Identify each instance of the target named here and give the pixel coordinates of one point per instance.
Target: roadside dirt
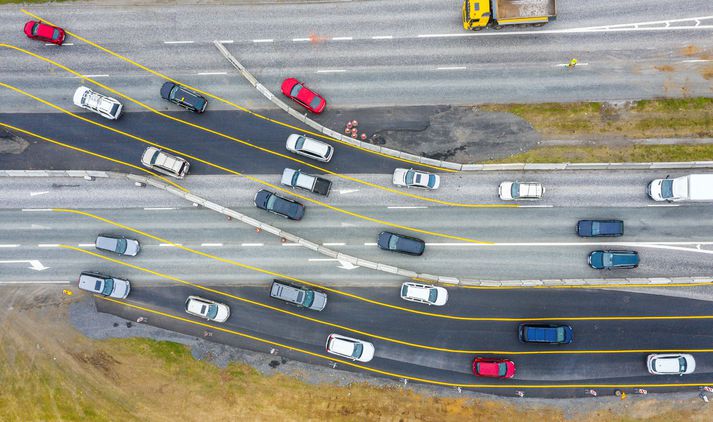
(51, 372)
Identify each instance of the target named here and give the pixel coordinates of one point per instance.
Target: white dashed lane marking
(178, 42)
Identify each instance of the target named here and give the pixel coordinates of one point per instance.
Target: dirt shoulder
(50, 371)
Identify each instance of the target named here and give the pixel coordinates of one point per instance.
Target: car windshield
(316, 101)
(667, 188)
(431, 180)
(409, 177)
(607, 259)
(55, 34)
(114, 108)
(309, 299)
(560, 334)
(296, 90)
(682, 363)
(432, 295)
(393, 241)
(121, 245)
(300, 142)
(502, 369)
(35, 27)
(358, 348)
(153, 158)
(108, 286)
(515, 190)
(271, 202)
(212, 311)
(595, 228)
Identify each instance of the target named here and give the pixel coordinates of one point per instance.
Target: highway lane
(375, 72)
(559, 369)
(670, 244)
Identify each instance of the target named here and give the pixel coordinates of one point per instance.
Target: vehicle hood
(132, 247)
(399, 176)
(261, 198)
(223, 313)
(505, 190)
(121, 288)
(166, 89)
(319, 302)
(288, 84)
(367, 353)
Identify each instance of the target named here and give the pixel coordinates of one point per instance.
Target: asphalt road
(536, 369)
(331, 46)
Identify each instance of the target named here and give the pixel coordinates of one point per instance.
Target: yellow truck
(497, 14)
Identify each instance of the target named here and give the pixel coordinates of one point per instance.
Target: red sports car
(303, 95)
(43, 32)
(493, 368)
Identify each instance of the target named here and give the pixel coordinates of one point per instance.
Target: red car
(43, 32)
(303, 95)
(493, 368)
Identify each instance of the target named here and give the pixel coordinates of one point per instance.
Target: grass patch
(663, 118)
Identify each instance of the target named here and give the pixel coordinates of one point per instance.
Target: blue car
(545, 333)
(600, 260)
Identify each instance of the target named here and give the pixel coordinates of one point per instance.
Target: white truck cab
(694, 187)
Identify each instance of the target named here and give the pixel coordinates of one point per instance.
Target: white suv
(509, 191)
(171, 165)
(350, 348)
(424, 293)
(101, 104)
(312, 148)
(208, 309)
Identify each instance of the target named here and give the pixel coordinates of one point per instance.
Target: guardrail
(53, 173)
(442, 163)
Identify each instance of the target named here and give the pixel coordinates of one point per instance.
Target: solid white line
(170, 245)
(251, 244)
(212, 73)
(211, 244)
(68, 43)
(334, 244)
(178, 42)
(535, 206)
(341, 38)
(382, 37)
(291, 244)
(9, 246)
(331, 71)
(36, 209)
(158, 208)
(300, 39)
(452, 68)
(264, 40)
(369, 244)
(642, 244)
(467, 34)
(406, 207)
(663, 205)
(225, 41)
(93, 76)
(322, 259)
(85, 245)
(37, 282)
(696, 61)
(48, 245)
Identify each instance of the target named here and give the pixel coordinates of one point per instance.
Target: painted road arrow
(34, 264)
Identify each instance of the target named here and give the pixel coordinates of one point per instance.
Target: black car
(400, 243)
(283, 207)
(607, 260)
(545, 333)
(600, 228)
(183, 97)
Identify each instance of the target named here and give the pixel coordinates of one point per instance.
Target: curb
(449, 165)
(455, 281)
(54, 173)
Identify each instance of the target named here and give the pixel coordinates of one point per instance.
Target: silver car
(410, 178)
(104, 285)
(207, 309)
(510, 191)
(424, 293)
(117, 244)
(350, 348)
(312, 148)
(162, 162)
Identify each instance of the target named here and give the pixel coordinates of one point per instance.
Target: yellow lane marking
(366, 333)
(390, 374)
(84, 151)
(375, 302)
(254, 179)
(241, 108)
(232, 138)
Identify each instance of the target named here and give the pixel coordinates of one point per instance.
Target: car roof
(341, 345)
(667, 364)
(418, 292)
(195, 304)
(316, 146)
(489, 368)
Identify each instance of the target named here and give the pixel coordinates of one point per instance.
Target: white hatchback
(424, 293)
(208, 309)
(312, 148)
(350, 348)
(101, 104)
(671, 364)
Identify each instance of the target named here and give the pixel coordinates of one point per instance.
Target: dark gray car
(600, 228)
(104, 285)
(183, 97)
(288, 208)
(401, 243)
(297, 295)
(117, 244)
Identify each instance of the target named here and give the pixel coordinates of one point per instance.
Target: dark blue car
(545, 333)
(600, 228)
(276, 204)
(600, 260)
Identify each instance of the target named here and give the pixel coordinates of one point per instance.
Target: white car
(424, 293)
(208, 309)
(312, 148)
(168, 164)
(104, 285)
(671, 364)
(350, 348)
(101, 104)
(410, 178)
(509, 191)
